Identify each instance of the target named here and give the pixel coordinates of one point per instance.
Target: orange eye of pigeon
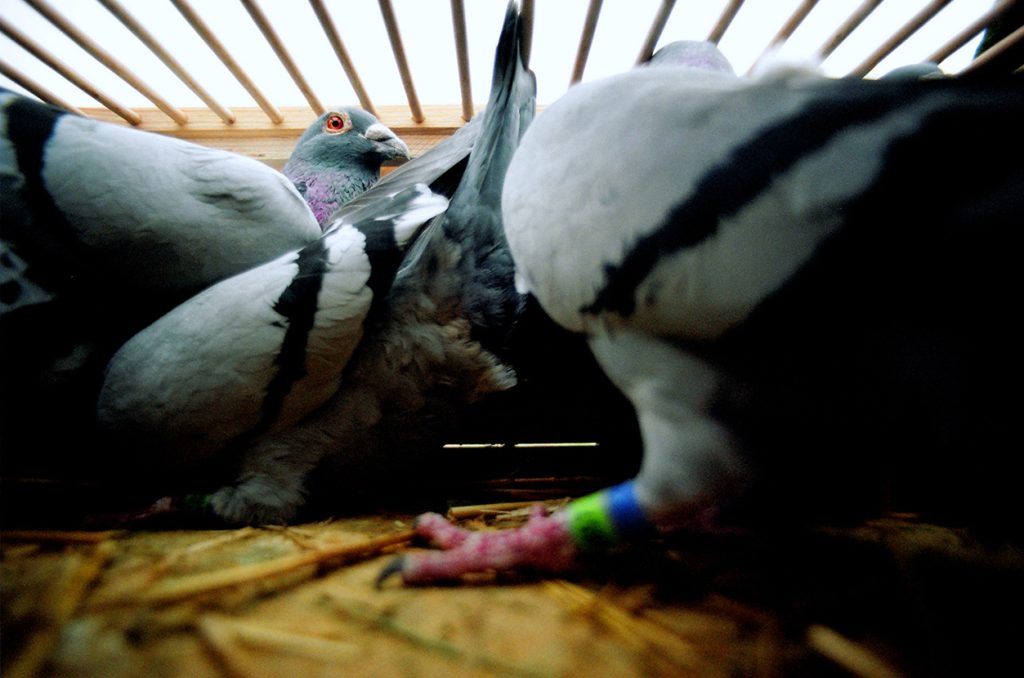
(335, 123)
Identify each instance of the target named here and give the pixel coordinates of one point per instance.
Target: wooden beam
(251, 135)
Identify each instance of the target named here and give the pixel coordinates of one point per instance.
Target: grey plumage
(797, 283)
(434, 347)
(104, 228)
(338, 157)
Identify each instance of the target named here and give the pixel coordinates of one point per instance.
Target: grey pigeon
(103, 229)
(691, 54)
(339, 156)
(804, 286)
(433, 347)
(252, 355)
(106, 228)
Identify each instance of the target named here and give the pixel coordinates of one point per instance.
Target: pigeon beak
(387, 141)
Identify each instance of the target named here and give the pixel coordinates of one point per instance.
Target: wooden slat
(972, 29)
(67, 73)
(654, 32)
(899, 37)
(847, 27)
(272, 144)
(146, 38)
(34, 87)
(261, 21)
(462, 57)
(1006, 55)
(586, 40)
(106, 58)
(200, 27)
(387, 12)
(324, 17)
(724, 21)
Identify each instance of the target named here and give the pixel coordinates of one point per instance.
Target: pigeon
(339, 156)
(702, 55)
(804, 286)
(258, 351)
(433, 346)
(255, 353)
(107, 228)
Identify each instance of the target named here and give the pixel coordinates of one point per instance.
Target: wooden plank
(253, 136)
(251, 121)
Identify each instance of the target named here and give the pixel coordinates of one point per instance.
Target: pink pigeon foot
(543, 543)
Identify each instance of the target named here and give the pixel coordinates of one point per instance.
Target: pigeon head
(339, 156)
(693, 54)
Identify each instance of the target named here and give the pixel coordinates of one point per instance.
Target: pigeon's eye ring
(337, 123)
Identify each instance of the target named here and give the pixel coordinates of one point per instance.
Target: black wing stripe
(736, 182)
(298, 304)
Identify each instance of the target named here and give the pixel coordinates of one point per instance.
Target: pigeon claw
(544, 543)
(394, 566)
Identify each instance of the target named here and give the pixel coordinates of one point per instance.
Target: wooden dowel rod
(35, 88)
(793, 22)
(260, 19)
(654, 32)
(586, 40)
(334, 38)
(146, 38)
(462, 57)
(78, 81)
(788, 28)
(387, 12)
(847, 27)
(999, 55)
(977, 26)
(526, 12)
(200, 27)
(724, 21)
(899, 37)
(107, 59)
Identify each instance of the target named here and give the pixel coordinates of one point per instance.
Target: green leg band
(590, 524)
